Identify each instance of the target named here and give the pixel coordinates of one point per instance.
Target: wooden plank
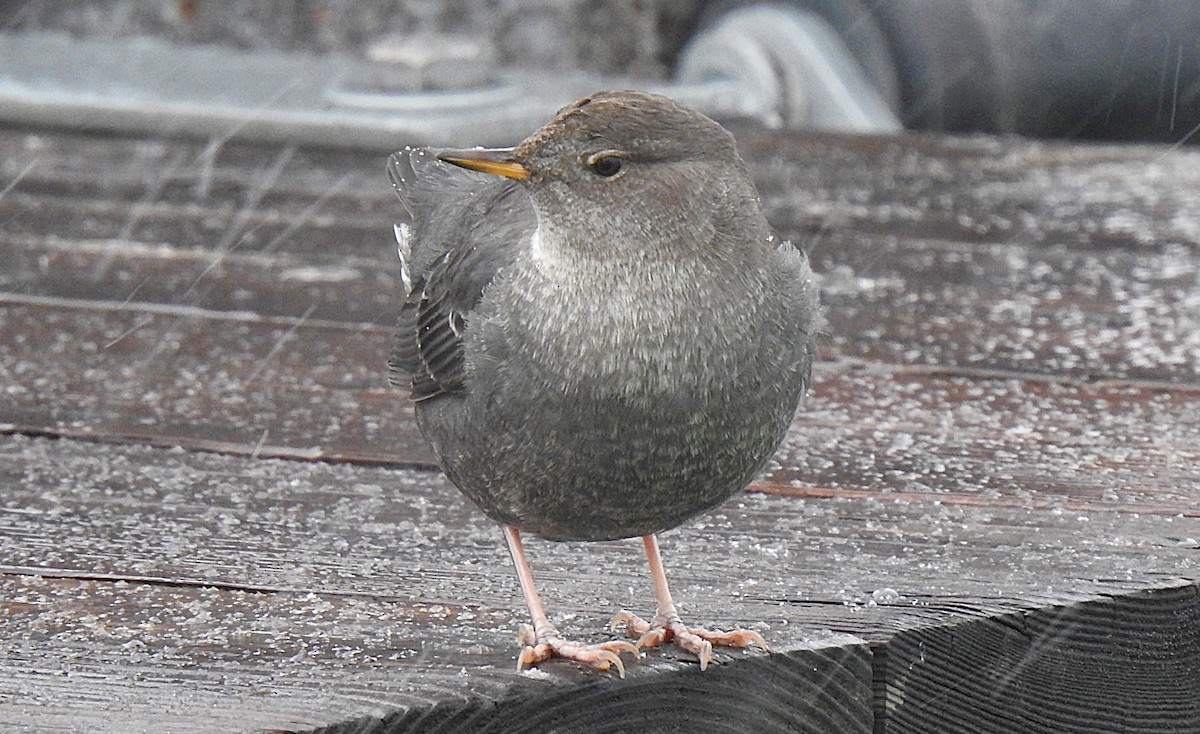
(219, 196)
(326, 640)
(315, 390)
(295, 594)
(921, 241)
(1126, 315)
(1027, 194)
(1056, 669)
(178, 377)
(999, 456)
(120, 657)
(999, 441)
(957, 189)
(330, 288)
(1114, 314)
(134, 512)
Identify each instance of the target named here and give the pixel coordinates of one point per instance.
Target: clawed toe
(600, 656)
(696, 640)
(735, 638)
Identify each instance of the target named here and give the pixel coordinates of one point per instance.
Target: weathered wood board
(216, 516)
(289, 594)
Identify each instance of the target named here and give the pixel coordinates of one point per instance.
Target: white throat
(541, 251)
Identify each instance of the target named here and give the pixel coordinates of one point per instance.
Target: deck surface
(215, 516)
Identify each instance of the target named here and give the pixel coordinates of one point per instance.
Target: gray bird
(603, 339)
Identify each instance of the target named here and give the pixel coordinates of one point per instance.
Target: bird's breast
(639, 333)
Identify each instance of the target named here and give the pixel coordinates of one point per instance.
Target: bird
(602, 337)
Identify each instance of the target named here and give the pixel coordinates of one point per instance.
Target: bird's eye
(605, 165)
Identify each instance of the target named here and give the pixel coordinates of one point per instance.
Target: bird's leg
(667, 625)
(543, 641)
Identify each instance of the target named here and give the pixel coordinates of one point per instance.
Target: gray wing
(464, 228)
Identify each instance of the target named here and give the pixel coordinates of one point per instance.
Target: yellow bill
(496, 161)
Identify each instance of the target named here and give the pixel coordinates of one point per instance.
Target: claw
(607, 657)
(619, 646)
(745, 638)
(652, 638)
(531, 655)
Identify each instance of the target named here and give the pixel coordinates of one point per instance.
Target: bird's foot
(696, 640)
(547, 643)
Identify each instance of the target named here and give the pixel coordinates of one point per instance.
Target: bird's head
(629, 175)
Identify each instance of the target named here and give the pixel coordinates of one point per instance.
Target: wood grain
(1053, 669)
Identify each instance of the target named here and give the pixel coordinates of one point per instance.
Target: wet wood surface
(216, 516)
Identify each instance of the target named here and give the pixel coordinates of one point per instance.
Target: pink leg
(667, 624)
(543, 641)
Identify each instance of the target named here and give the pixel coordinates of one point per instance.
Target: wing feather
(465, 228)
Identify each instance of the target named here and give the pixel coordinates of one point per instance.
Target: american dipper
(603, 340)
